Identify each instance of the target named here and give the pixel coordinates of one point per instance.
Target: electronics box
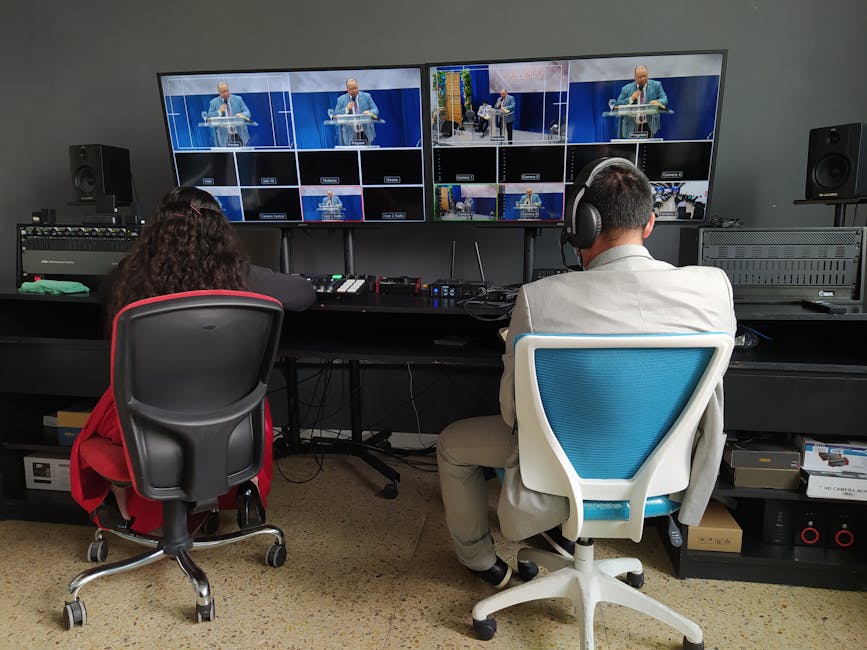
(762, 454)
(80, 253)
(47, 472)
(759, 477)
(718, 531)
(835, 485)
(458, 289)
(788, 264)
(69, 425)
(847, 456)
(762, 463)
(403, 285)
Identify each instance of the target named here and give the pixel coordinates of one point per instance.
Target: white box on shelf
(848, 456)
(834, 485)
(47, 472)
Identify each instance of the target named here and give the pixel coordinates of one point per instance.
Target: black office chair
(189, 375)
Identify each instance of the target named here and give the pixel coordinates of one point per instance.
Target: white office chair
(608, 422)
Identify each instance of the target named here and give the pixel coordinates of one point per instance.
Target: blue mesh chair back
(609, 408)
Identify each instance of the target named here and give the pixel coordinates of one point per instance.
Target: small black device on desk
(824, 306)
(399, 286)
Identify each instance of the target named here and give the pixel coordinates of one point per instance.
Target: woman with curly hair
(189, 246)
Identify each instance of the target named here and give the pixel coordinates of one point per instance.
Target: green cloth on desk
(54, 287)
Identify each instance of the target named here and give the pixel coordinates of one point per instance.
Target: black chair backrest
(189, 374)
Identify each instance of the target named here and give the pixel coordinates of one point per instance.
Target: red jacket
(89, 487)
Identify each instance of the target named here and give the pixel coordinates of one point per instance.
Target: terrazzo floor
(366, 572)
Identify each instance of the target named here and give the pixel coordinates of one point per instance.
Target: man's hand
(635, 96)
(655, 102)
(350, 107)
(222, 109)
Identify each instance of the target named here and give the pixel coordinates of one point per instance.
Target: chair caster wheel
(97, 551)
(276, 555)
(74, 614)
(390, 491)
(486, 629)
(635, 580)
(205, 612)
(212, 523)
(527, 570)
(689, 645)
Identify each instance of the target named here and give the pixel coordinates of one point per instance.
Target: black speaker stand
(839, 207)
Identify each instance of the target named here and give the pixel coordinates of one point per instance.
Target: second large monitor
(301, 146)
(509, 137)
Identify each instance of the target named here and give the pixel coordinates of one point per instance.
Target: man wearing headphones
(623, 290)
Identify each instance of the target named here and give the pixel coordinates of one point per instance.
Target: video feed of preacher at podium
(528, 127)
(270, 145)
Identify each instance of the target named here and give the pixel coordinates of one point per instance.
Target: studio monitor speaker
(837, 162)
(100, 170)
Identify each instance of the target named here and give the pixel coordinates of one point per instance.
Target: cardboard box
(835, 485)
(834, 457)
(761, 453)
(759, 477)
(47, 472)
(69, 425)
(717, 531)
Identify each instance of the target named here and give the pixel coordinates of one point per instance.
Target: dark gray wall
(85, 72)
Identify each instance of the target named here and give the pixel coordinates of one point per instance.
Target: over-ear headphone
(582, 222)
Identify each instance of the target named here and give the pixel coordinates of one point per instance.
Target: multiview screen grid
(305, 147)
(509, 138)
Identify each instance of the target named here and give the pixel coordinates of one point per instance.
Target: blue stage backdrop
(550, 210)
(268, 110)
(693, 100)
(351, 207)
(399, 107)
(230, 205)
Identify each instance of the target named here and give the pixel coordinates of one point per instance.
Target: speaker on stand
(837, 168)
(99, 170)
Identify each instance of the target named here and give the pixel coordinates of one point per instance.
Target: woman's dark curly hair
(189, 246)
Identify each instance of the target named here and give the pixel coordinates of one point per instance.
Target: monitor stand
(356, 445)
(530, 234)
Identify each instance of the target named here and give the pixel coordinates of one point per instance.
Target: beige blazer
(625, 291)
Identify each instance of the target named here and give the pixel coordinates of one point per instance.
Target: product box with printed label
(834, 457)
(761, 463)
(69, 425)
(47, 472)
(835, 485)
(717, 531)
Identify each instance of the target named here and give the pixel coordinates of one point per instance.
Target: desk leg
(355, 448)
(355, 400)
(290, 372)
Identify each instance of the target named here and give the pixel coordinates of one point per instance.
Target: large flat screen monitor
(510, 137)
(329, 147)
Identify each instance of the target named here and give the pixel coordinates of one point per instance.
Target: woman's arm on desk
(294, 291)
